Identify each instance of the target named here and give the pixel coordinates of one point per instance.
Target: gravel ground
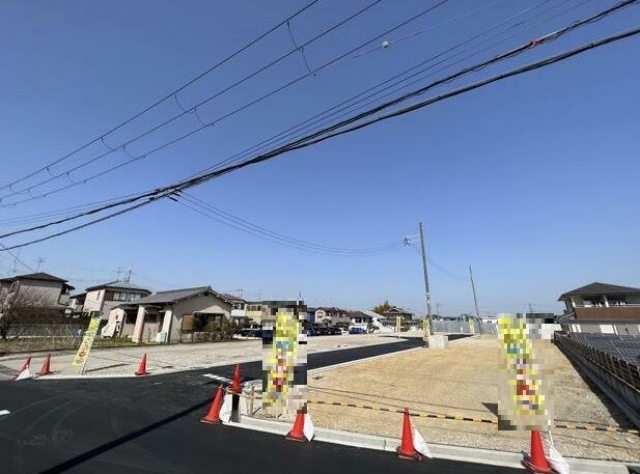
(177, 357)
(463, 380)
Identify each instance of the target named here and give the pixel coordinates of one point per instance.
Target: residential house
(330, 316)
(166, 316)
(75, 305)
(602, 308)
(260, 311)
(392, 314)
(238, 309)
(101, 299)
(311, 315)
(36, 290)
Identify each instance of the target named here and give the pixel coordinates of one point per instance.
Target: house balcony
(624, 312)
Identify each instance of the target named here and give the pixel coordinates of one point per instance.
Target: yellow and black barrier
(439, 416)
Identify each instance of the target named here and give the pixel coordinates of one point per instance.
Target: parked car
(311, 331)
(357, 330)
(335, 331)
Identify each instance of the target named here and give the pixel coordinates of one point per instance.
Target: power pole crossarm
(426, 280)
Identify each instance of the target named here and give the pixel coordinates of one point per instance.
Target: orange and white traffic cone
(536, 462)
(407, 450)
(142, 368)
(27, 363)
(297, 433)
(213, 417)
(236, 386)
(46, 366)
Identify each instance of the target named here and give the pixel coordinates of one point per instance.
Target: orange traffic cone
(297, 433)
(46, 366)
(27, 363)
(537, 461)
(142, 368)
(213, 416)
(406, 450)
(235, 384)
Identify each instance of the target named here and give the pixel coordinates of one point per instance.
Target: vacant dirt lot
(463, 380)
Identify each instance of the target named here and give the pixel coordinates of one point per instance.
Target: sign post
(82, 356)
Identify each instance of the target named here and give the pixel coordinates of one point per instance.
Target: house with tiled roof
(36, 289)
(170, 316)
(101, 299)
(602, 307)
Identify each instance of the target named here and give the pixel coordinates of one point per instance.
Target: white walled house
(101, 299)
(166, 315)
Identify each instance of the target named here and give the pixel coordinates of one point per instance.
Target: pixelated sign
(525, 375)
(83, 352)
(284, 365)
(425, 328)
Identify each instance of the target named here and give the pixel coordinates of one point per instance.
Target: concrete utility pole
(426, 280)
(475, 299)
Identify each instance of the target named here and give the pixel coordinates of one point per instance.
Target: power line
(122, 146)
(84, 181)
(166, 97)
(243, 225)
(297, 129)
(333, 131)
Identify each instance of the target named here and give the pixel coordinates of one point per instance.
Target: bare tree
(26, 306)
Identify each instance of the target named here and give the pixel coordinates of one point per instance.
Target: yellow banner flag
(83, 352)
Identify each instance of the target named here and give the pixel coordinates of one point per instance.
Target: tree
(25, 306)
(382, 308)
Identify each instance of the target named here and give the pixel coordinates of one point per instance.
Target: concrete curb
(452, 453)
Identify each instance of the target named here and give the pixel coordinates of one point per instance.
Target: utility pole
(39, 261)
(530, 308)
(475, 298)
(128, 277)
(438, 309)
(426, 280)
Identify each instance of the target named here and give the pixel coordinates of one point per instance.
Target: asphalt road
(151, 425)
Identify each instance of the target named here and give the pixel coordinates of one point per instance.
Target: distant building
(330, 316)
(391, 315)
(261, 311)
(602, 308)
(238, 309)
(101, 299)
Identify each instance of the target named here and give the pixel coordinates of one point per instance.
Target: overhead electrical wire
(203, 126)
(318, 118)
(166, 97)
(545, 38)
(331, 132)
(214, 213)
(449, 78)
(342, 109)
(299, 128)
(122, 146)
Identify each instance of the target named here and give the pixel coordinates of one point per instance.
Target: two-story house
(330, 316)
(602, 308)
(392, 314)
(35, 290)
(101, 299)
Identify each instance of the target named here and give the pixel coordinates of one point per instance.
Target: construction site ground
(162, 358)
(463, 380)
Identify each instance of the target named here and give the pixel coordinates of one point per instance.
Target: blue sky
(532, 181)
